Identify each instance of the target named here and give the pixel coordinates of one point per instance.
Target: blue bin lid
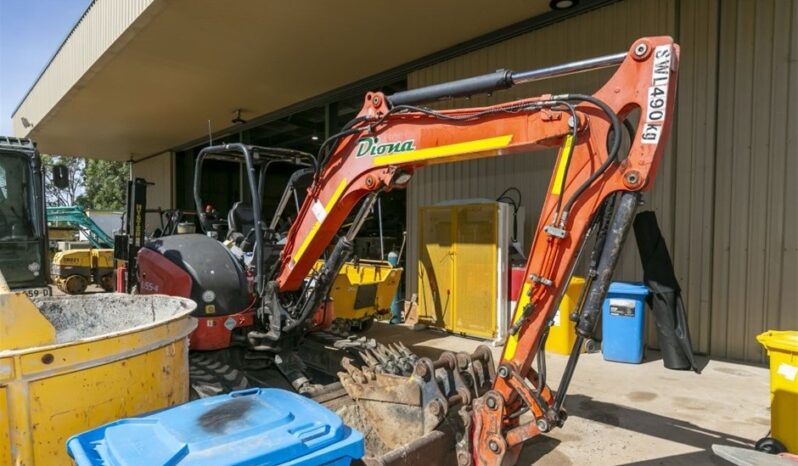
(637, 288)
(251, 427)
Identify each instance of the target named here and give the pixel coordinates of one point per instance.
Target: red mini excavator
(593, 192)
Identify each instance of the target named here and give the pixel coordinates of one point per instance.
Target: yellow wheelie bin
(782, 348)
(562, 334)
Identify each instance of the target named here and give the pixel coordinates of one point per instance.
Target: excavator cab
(23, 226)
(247, 229)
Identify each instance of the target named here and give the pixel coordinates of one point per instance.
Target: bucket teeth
(368, 359)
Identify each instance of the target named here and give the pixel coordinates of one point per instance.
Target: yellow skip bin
(112, 356)
(364, 288)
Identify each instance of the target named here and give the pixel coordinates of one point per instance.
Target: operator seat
(240, 220)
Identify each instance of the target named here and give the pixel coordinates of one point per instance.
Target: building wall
(723, 195)
(157, 170)
(755, 209)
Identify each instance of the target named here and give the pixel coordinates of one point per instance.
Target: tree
(105, 184)
(68, 196)
(93, 184)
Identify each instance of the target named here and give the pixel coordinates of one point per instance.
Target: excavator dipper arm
(391, 138)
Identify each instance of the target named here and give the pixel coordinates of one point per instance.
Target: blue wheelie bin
(623, 322)
(261, 426)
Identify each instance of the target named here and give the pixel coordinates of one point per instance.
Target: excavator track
(211, 373)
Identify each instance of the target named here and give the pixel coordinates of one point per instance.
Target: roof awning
(173, 65)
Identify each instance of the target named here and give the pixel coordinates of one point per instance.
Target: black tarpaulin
(665, 298)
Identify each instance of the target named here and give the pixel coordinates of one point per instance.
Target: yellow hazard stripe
(333, 200)
(478, 145)
(566, 155)
(512, 340)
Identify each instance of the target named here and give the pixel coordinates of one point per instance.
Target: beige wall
(157, 170)
(724, 195)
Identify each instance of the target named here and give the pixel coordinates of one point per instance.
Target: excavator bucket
(21, 323)
(402, 414)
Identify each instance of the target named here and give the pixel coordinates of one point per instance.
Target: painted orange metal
(650, 67)
(553, 257)
(361, 175)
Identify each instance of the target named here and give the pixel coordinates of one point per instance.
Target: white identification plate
(657, 96)
(318, 211)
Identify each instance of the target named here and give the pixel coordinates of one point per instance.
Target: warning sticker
(318, 211)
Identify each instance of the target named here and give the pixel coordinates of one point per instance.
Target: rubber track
(209, 376)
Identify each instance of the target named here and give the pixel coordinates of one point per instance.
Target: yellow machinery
(72, 271)
(71, 363)
(361, 291)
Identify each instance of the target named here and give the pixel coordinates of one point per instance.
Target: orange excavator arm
(593, 188)
(388, 142)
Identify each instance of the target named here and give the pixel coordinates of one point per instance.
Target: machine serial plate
(37, 292)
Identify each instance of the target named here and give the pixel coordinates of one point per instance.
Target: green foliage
(93, 184)
(104, 185)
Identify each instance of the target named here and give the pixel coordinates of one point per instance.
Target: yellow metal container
(562, 334)
(364, 288)
(462, 266)
(113, 356)
(782, 347)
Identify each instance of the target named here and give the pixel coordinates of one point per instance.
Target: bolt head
(571, 121)
(463, 459)
(632, 178)
(494, 447)
(542, 424)
(641, 49)
(491, 402)
(504, 372)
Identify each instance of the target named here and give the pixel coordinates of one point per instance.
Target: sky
(30, 33)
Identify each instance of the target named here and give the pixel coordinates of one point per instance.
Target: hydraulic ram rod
(498, 80)
(566, 69)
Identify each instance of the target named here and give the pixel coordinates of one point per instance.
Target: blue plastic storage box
(623, 320)
(257, 427)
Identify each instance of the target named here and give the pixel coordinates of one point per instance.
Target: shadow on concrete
(535, 449)
(655, 425)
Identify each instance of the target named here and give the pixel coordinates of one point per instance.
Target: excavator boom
(388, 141)
(593, 188)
